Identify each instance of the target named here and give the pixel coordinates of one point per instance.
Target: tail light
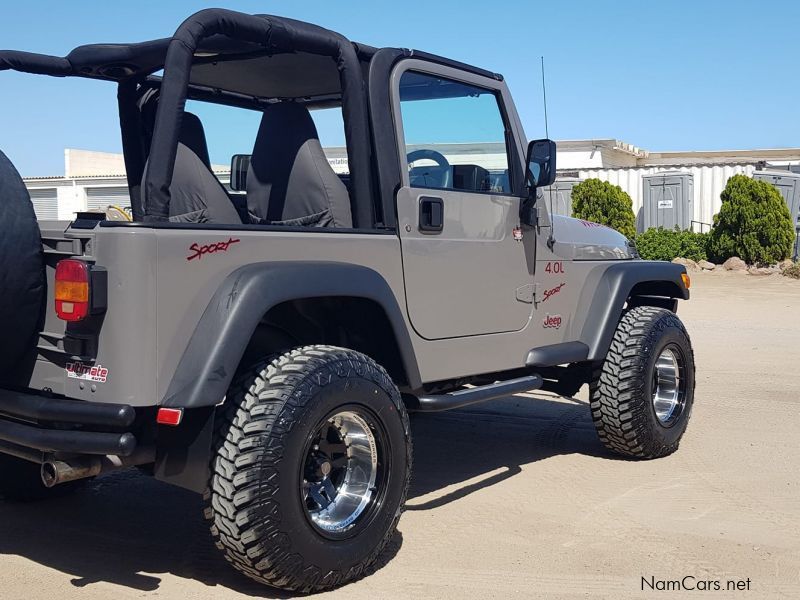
(79, 290)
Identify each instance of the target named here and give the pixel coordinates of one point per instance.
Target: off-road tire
(22, 277)
(21, 481)
(620, 392)
(253, 501)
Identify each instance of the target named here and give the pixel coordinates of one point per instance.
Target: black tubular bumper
(30, 422)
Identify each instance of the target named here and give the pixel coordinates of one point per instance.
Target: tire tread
(618, 387)
(251, 427)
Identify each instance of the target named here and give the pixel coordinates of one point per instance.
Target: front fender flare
(607, 290)
(218, 343)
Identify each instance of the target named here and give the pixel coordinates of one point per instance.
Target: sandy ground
(510, 499)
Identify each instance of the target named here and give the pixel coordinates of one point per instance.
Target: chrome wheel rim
(668, 387)
(340, 471)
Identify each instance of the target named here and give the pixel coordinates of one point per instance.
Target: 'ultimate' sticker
(78, 370)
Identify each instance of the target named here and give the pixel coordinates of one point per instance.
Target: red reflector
(169, 416)
(72, 290)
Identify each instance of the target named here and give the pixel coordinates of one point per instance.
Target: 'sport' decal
(197, 250)
(79, 370)
(552, 292)
(551, 321)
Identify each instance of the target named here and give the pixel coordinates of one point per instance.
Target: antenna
(551, 239)
(544, 97)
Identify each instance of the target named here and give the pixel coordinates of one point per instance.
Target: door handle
(431, 214)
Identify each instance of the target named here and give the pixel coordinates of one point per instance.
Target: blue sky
(661, 75)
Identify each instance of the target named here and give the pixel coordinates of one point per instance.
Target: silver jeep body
(484, 298)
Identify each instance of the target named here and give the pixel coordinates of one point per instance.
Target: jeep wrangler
(263, 343)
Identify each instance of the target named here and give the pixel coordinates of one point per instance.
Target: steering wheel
(438, 158)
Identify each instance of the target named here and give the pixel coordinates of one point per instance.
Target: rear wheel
(312, 465)
(642, 394)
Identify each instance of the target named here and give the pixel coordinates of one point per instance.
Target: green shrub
(601, 202)
(666, 244)
(754, 223)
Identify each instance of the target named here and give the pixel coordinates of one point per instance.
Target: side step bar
(474, 395)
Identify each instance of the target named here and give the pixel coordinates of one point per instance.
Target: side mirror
(240, 164)
(541, 164)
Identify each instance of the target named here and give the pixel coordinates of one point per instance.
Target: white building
(627, 166)
(95, 180)
(91, 181)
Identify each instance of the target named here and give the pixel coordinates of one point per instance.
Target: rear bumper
(31, 424)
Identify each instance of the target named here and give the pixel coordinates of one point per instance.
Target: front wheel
(641, 396)
(311, 470)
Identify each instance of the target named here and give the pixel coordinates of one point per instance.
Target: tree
(601, 202)
(754, 223)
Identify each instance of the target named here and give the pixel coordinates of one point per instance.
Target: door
(465, 273)
(677, 200)
(668, 201)
(667, 204)
(559, 196)
(787, 186)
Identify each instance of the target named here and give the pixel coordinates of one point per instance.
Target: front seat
(290, 182)
(196, 195)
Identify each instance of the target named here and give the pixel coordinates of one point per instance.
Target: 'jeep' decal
(198, 251)
(551, 321)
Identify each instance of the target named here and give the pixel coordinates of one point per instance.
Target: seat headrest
(193, 136)
(289, 176)
(285, 122)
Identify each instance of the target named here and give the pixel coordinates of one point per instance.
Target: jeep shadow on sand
(262, 345)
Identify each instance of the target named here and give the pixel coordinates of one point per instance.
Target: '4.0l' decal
(198, 251)
(554, 267)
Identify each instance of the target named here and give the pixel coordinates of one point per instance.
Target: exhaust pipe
(59, 471)
(55, 472)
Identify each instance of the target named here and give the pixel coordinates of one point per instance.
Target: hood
(576, 239)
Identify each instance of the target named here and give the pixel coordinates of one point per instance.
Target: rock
(686, 262)
(785, 264)
(706, 266)
(792, 272)
(762, 270)
(734, 263)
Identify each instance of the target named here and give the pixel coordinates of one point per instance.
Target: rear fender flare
(218, 343)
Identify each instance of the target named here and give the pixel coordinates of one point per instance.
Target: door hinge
(526, 293)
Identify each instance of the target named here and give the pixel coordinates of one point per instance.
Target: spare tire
(22, 278)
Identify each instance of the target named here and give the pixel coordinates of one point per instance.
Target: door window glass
(454, 133)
